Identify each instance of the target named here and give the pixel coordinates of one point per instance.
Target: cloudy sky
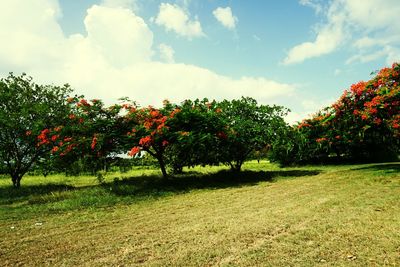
(298, 53)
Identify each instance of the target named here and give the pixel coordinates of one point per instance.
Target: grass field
(345, 215)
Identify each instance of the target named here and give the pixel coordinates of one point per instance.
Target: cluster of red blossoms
(370, 105)
(154, 123)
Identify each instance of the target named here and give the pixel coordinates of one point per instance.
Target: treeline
(44, 127)
(363, 125)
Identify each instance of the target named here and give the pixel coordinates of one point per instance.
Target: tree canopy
(26, 110)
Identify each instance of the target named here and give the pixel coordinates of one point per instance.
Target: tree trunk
(177, 169)
(162, 166)
(16, 180)
(236, 166)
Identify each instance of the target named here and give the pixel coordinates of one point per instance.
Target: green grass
(346, 215)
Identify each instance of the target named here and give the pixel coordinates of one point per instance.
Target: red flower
(146, 141)
(174, 112)
(373, 111)
(222, 135)
(377, 121)
(55, 149)
(165, 143)
(320, 140)
(154, 113)
(83, 102)
(358, 88)
(134, 151)
(94, 142)
(304, 124)
(54, 138)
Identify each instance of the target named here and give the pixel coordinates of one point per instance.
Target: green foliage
(205, 133)
(249, 127)
(363, 125)
(196, 139)
(151, 131)
(93, 134)
(27, 108)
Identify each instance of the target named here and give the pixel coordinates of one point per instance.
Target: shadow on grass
(9, 194)
(156, 185)
(136, 188)
(386, 168)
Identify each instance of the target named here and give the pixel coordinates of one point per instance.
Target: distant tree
(27, 108)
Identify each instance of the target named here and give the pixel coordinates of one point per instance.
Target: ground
(345, 215)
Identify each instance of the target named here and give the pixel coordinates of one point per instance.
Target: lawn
(346, 215)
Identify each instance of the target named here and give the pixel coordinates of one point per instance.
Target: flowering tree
(363, 124)
(92, 133)
(151, 131)
(27, 108)
(198, 128)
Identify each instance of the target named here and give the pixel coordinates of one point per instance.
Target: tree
(151, 131)
(27, 108)
(197, 127)
(362, 125)
(93, 134)
(248, 127)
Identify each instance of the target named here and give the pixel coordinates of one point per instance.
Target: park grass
(346, 215)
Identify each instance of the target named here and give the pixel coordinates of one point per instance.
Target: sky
(301, 54)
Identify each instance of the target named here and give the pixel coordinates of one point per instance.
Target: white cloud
(328, 38)
(256, 38)
(120, 36)
(114, 59)
(176, 19)
(326, 42)
(371, 26)
(316, 5)
(131, 4)
(225, 17)
(166, 53)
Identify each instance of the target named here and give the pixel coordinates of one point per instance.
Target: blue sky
(298, 53)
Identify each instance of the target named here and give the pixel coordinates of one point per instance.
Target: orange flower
(320, 140)
(94, 142)
(134, 151)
